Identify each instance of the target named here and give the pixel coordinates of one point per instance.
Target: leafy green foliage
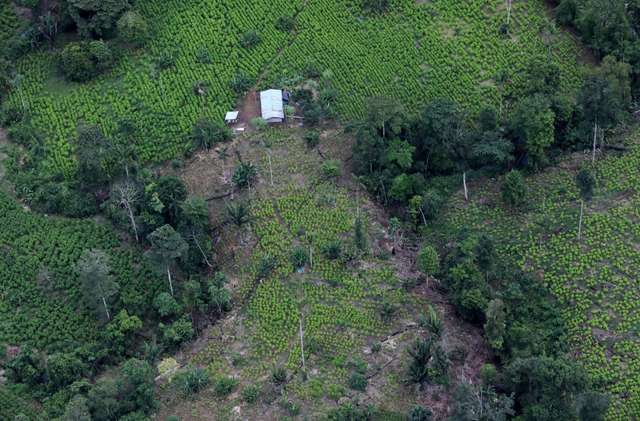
(244, 175)
(428, 261)
(98, 284)
(192, 381)
(514, 189)
(83, 61)
(206, 133)
(223, 386)
(133, 28)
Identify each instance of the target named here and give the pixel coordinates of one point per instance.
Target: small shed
(272, 106)
(231, 117)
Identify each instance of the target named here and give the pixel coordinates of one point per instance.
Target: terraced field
(415, 52)
(595, 279)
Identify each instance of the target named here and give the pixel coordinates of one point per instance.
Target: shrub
(420, 413)
(331, 168)
(291, 407)
(82, 61)
(376, 6)
(266, 266)
(279, 375)
(206, 133)
(192, 381)
(203, 56)
(285, 23)
(251, 393)
(259, 123)
(358, 381)
(360, 235)
(299, 258)
(488, 374)
(428, 261)
(513, 189)
(241, 83)
(166, 59)
(312, 138)
(244, 174)
(432, 322)
(335, 392)
(250, 39)
(133, 29)
(223, 386)
(166, 305)
(333, 249)
(177, 332)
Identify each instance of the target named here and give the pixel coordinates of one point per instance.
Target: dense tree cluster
(525, 329)
(609, 27)
(402, 158)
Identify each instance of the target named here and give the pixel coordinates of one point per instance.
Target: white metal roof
(231, 115)
(271, 104)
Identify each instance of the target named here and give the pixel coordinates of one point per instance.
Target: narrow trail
(294, 36)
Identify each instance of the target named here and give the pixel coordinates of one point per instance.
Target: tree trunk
(204, 256)
(595, 138)
(464, 183)
(304, 367)
(424, 218)
(509, 12)
(170, 281)
(580, 221)
(133, 221)
(106, 309)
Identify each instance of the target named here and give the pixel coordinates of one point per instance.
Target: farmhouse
(231, 117)
(272, 106)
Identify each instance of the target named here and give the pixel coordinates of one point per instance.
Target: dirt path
(249, 108)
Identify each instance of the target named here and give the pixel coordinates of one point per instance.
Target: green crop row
(40, 297)
(415, 52)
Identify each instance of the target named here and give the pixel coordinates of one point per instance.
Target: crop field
(340, 306)
(594, 279)
(347, 306)
(39, 293)
(415, 52)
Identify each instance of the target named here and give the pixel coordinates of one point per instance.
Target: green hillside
(415, 52)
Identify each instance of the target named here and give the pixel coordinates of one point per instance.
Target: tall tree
(95, 154)
(604, 96)
(172, 193)
(196, 223)
(77, 410)
(386, 115)
(127, 195)
(439, 123)
(98, 285)
(96, 18)
(532, 128)
(604, 25)
(586, 183)
(166, 247)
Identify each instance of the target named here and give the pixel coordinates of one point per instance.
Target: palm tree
(239, 213)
